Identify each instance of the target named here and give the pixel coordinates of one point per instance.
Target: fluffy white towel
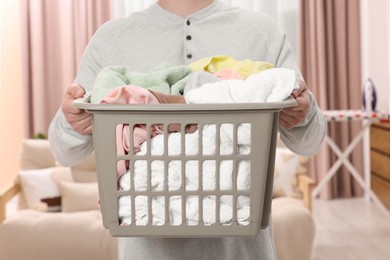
(271, 85)
(192, 168)
(192, 210)
(192, 171)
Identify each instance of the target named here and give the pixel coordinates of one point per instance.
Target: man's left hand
(293, 116)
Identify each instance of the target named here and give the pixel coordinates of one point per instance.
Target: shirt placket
(188, 51)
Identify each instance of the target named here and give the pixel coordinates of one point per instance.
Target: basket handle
(82, 103)
(290, 102)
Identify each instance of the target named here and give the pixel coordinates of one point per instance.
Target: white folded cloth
(175, 210)
(270, 85)
(192, 171)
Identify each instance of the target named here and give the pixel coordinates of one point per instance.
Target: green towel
(165, 78)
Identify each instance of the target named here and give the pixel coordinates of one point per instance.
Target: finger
(290, 110)
(73, 118)
(294, 116)
(303, 103)
(68, 108)
(298, 108)
(191, 128)
(287, 117)
(87, 126)
(294, 110)
(83, 124)
(87, 130)
(302, 87)
(295, 93)
(290, 120)
(283, 123)
(75, 91)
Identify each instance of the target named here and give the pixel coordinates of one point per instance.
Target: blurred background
(340, 47)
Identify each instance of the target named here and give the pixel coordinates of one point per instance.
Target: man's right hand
(79, 119)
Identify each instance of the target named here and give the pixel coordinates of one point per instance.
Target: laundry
(227, 74)
(219, 63)
(165, 79)
(199, 78)
(130, 95)
(208, 205)
(271, 85)
(192, 171)
(268, 85)
(191, 168)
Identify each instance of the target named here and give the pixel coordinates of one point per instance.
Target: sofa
(58, 215)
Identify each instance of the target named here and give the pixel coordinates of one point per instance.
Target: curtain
(126, 7)
(329, 57)
(55, 33)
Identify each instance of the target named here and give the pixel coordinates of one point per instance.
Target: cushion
(36, 154)
(80, 175)
(287, 166)
(30, 234)
(293, 229)
(78, 196)
(41, 184)
(86, 170)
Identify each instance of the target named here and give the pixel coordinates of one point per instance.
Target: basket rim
(84, 103)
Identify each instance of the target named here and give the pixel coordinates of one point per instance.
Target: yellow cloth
(217, 63)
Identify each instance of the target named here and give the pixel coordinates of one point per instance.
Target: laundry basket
(166, 212)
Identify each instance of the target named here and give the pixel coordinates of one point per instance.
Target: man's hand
(79, 119)
(290, 117)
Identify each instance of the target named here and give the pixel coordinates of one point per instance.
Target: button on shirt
(187, 48)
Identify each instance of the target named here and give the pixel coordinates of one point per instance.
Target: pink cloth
(228, 74)
(130, 95)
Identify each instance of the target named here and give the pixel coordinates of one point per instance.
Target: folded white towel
(192, 171)
(175, 213)
(271, 85)
(208, 168)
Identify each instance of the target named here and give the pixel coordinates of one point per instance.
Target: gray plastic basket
(263, 121)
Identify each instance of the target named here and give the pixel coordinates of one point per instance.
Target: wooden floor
(350, 229)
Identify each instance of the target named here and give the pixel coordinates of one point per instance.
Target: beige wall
(11, 116)
(375, 48)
